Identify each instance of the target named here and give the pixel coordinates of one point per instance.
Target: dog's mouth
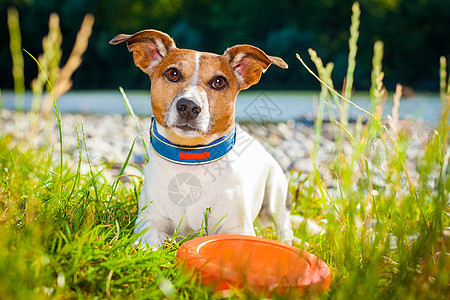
(186, 127)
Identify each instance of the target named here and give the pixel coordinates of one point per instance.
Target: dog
(204, 171)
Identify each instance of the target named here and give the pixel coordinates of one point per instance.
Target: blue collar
(191, 155)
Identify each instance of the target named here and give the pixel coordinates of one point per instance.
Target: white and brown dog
(201, 162)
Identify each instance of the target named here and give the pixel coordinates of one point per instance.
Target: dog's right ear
(148, 46)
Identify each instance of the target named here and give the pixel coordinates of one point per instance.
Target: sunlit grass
(68, 234)
(387, 240)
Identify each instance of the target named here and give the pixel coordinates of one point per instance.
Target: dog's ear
(148, 47)
(248, 62)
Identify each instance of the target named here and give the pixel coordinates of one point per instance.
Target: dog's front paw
(287, 237)
(311, 226)
(145, 245)
(296, 242)
(300, 243)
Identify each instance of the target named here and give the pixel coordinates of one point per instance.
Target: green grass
(72, 235)
(64, 234)
(68, 234)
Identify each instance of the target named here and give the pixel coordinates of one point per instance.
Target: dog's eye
(218, 83)
(173, 74)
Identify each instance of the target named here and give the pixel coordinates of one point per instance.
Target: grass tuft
(64, 233)
(386, 224)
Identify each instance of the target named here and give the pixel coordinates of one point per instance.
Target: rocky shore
(108, 140)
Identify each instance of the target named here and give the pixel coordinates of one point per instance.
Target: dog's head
(193, 93)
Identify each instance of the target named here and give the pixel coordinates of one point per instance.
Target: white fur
(194, 78)
(160, 46)
(150, 67)
(234, 64)
(237, 188)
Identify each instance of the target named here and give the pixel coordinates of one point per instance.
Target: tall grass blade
(63, 82)
(58, 118)
(443, 80)
(77, 172)
(122, 170)
(91, 172)
(134, 120)
(332, 89)
(17, 59)
(353, 48)
(49, 62)
(325, 75)
(444, 134)
(357, 107)
(375, 88)
(323, 97)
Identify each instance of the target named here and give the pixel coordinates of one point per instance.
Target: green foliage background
(415, 32)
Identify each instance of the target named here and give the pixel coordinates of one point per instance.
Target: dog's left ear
(149, 47)
(249, 62)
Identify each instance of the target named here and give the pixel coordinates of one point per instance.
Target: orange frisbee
(227, 261)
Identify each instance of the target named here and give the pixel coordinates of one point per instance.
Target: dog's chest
(232, 187)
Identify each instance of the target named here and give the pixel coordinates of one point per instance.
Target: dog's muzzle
(188, 114)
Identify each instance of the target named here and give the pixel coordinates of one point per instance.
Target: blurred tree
(185, 35)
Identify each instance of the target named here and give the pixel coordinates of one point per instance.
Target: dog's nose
(187, 108)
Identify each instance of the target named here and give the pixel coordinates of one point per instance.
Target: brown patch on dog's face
(164, 91)
(205, 78)
(222, 105)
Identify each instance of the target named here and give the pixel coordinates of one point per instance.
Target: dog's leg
(277, 205)
(151, 220)
(151, 239)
